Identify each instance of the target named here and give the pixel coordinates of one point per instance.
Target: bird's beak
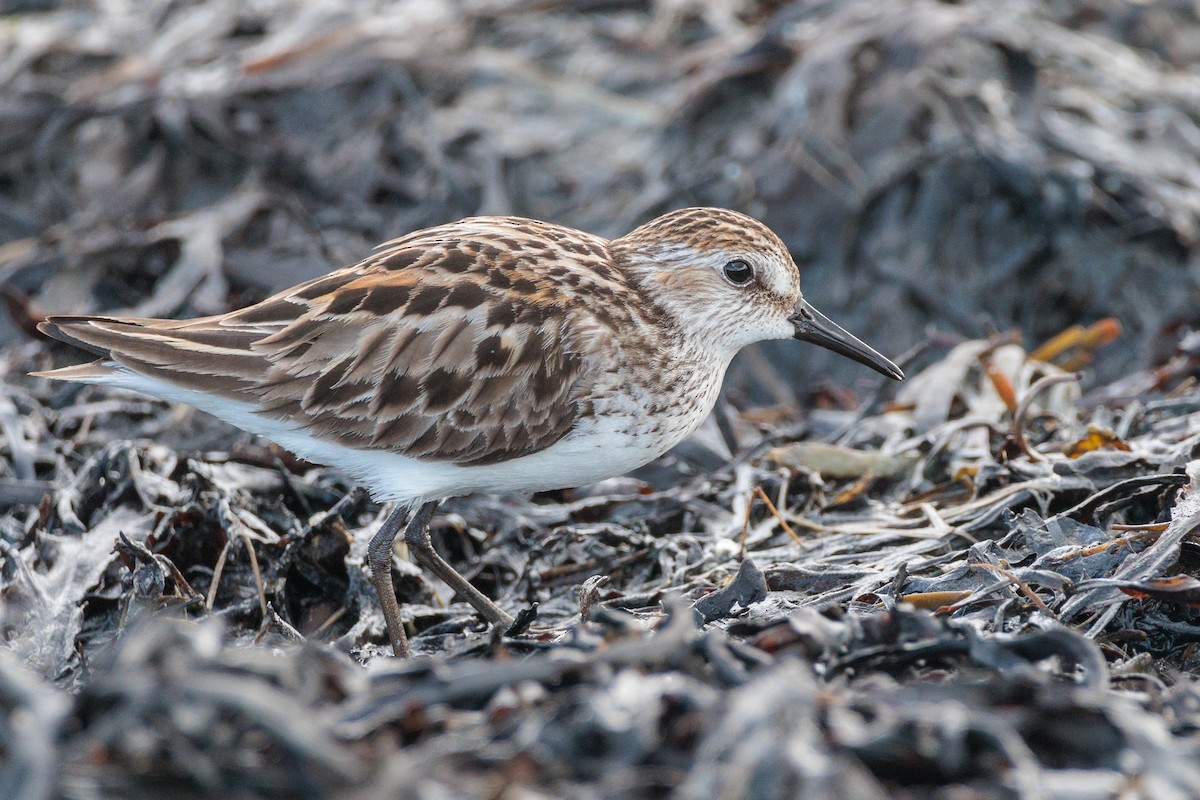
(813, 326)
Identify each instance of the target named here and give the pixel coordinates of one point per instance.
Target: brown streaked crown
(717, 228)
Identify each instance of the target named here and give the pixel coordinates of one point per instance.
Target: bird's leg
(417, 536)
(379, 558)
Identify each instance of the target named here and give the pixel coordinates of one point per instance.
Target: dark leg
(379, 558)
(417, 536)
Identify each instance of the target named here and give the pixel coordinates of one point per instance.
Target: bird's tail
(199, 354)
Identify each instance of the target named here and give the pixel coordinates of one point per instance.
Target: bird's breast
(654, 401)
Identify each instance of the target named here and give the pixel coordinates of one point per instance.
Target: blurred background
(958, 167)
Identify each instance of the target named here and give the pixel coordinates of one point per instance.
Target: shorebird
(493, 354)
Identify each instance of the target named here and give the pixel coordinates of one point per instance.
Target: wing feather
(446, 345)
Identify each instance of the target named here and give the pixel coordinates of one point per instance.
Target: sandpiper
(493, 354)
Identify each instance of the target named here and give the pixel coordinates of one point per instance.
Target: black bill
(813, 326)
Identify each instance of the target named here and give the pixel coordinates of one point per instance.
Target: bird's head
(729, 281)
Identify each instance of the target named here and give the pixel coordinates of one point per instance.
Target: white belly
(620, 438)
(575, 460)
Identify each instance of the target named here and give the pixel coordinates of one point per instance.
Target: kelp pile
(979, 581)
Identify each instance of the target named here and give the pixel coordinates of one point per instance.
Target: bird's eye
(738, 272)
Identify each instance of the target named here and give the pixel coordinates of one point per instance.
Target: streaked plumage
(491, 354)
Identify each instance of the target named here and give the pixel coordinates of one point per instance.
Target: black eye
(738, 272)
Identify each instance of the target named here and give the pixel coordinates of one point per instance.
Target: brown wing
(460, 348)
(428, 370)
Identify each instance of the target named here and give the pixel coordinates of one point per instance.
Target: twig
(758, 492)
(1039, 386)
